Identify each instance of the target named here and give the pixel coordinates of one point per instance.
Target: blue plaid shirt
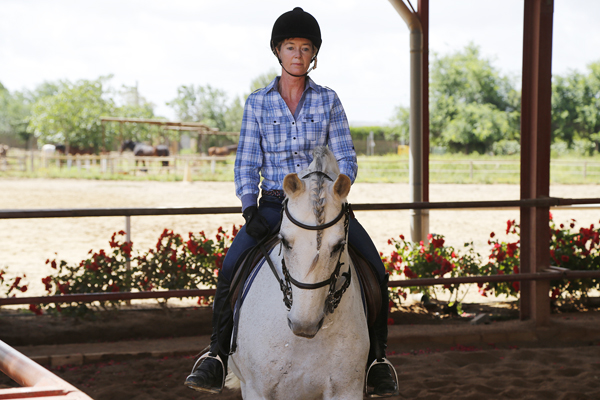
(274, 143)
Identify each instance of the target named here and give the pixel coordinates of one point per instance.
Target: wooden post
(535, 155)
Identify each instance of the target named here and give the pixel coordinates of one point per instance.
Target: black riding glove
(256, 225)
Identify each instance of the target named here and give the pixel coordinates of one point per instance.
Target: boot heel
(190, 382)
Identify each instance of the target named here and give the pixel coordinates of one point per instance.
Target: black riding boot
(381, 376)
(209, 375)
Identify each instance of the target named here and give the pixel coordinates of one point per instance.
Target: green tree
(262, 80)
(131, 104)
(211, 105)
(202, 104)
(576, 107)
(471, 105)
(400, 125)
(72, 114)
(14, 114)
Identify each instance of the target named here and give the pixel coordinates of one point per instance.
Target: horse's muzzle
(306, 331)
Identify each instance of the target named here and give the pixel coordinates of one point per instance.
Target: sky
(160, 45)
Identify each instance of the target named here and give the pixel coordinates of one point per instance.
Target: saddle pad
(248, 264)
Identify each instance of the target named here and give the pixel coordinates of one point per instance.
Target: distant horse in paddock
(4, 150)
(144, 150)
(50, 149)
(222, 151)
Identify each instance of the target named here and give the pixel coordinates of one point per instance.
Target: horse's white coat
(48, 149)
(274, 363)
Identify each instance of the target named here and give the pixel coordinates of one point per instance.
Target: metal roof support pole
(415, 167)
(423, 12)
(535, 155)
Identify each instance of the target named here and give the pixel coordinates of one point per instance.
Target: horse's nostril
(290, 324)
(320, 324)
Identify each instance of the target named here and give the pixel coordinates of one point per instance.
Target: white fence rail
(582, 168)
(112, 163)
(126, 163)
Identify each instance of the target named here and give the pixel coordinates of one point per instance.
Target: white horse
(318, 348)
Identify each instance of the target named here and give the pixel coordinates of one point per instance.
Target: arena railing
(549, 274)
(36, 381)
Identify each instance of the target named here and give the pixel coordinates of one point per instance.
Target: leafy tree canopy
(576, 107)
(71, 115)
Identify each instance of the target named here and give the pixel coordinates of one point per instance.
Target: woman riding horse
(282, 124)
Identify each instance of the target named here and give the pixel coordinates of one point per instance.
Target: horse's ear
(341, 187)
(292, 185)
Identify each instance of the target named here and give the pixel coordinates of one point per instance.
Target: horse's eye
(285, 243)
(338, 247)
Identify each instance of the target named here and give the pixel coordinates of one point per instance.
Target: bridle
(333, 296)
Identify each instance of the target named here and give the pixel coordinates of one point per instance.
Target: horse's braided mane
(318, 192)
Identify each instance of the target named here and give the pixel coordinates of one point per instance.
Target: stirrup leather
(371, 393)
(218, 358)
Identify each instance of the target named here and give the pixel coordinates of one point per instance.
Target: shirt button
(294, 138)
(295, 152)
(297, 165)
(293, 123)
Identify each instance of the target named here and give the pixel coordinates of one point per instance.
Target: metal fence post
(128, 236)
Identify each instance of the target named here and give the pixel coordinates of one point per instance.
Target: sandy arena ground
(25, 244)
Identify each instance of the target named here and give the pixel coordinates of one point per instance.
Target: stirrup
(371, 393)
(210, 390)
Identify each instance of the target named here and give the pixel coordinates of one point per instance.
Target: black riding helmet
(296, 24)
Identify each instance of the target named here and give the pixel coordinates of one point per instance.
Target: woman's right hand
(256, 225)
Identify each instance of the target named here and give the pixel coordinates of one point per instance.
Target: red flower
(390, 321)
(126, 248)
(438, 243)
(564, 258)
(35, 309)
(409, 273)
(516, 286)
(492, 234)
(47, 283)
(192, 246)
(511, 248)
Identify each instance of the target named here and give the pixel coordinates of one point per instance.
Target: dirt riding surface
(145, 354)
(142, 353)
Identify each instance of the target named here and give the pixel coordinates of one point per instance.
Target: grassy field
(390, 168)
(477, 169)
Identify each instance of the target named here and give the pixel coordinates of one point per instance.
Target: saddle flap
(369, 282)
(249, 262)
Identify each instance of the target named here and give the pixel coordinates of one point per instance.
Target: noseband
(333, 296)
